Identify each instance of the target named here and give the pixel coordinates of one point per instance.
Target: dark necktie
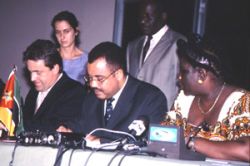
(145, 48)
(109, 109)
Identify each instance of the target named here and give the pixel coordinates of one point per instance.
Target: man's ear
(56, 68)
(119, 74)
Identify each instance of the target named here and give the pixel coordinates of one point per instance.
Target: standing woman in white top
(66, 34)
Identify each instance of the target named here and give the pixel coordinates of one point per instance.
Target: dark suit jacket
(161, 66)
(63, 103)
(137, 99)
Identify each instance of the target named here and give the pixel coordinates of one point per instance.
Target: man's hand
(92, 141)
(63, 129)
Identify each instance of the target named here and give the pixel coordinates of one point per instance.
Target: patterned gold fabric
(233, 121)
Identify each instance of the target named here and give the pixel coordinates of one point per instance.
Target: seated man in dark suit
(54, 98)
(131, 98)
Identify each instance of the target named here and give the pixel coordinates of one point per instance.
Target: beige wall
(24, 21)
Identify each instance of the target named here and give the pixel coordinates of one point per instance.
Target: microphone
(137, 128)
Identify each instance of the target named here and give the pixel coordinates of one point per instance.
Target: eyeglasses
(99, 79)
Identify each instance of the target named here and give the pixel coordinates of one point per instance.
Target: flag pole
(14, 68)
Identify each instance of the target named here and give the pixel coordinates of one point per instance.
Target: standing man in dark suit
(131, 98)
(152, 57)
(54, 98)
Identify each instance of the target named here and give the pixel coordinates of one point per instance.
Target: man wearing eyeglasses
(116, 99)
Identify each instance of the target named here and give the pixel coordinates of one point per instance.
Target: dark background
(229, 20)
(180, 18)
(226, 20)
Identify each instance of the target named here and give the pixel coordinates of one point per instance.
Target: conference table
(47, 156)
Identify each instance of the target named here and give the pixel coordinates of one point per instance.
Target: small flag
(10, 108)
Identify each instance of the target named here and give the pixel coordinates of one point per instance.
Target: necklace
(215, 101)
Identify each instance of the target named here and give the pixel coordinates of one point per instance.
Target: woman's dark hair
(71, 19)
(202, 52)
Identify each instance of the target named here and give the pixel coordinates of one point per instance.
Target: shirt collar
(47, 91)
(160, 33)
(117, 95)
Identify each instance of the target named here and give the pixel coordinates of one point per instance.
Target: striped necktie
(109, 109)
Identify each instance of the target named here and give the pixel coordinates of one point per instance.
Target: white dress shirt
(155, 39)
(116, 97)
(41, 95)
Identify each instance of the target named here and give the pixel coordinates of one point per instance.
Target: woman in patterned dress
(214, 114)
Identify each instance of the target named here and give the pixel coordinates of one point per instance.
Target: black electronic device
(168, 141)
(39, 138)
(73, 140)
(53, 139)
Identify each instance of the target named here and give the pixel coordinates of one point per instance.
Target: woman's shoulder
(81, 53)
(243, 98)
(236, 94)
(236, 103)
(183, 99)
(83, 56)
(183, 103)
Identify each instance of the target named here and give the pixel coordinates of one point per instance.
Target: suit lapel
(51, 96)
(101, 109)
(31, 105)
(98, 106)
(44, 106)
(123, 107)
(140, 52)
(165, 41)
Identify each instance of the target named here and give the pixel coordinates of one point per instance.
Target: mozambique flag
(10, 108)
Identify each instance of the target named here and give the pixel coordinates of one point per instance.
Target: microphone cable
(113, 131)
(130, 149)
(97, 149)
(60, 153)
(13, 154)
(114, 156)
(198, 129)
(73, 150)
(70, 157)
(108, 144)
(128, 153)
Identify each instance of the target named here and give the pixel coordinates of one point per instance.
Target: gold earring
(180, 77)
(200, 81)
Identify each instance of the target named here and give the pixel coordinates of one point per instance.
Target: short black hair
(43, 50)
(112, 53)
